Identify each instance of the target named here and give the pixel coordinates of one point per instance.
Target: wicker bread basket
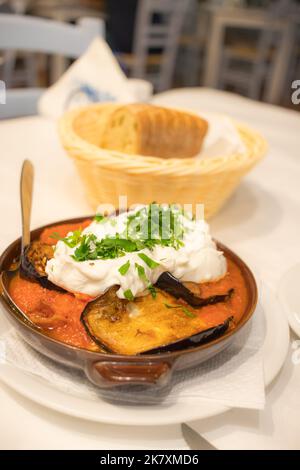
(108, 174)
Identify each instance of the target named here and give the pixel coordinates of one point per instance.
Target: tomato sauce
(50, 235)
(56, 313)
(235, 306)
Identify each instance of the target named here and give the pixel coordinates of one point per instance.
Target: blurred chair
(66, 11)
(158, 27)
(27, 33)
(191, 50)
(249, 65)
(187, 63)
(13, 75)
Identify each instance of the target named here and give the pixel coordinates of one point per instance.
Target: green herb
(187, 312)
(90, 248)
(84, 251)
(55, 236)
(145, 229)
(73, 239)
(156, 225)
(119, 243)
(128, 294)
(142, 275)
(124, 268)
(149, 262)
(141, 272)
(152, 291)
(99, 218)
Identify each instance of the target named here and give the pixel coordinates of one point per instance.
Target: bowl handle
(107, 374)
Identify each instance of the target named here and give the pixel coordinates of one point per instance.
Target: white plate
(275, 349)
(289, 296)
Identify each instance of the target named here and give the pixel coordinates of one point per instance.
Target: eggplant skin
(107, 307)
(33, 264)
(170, 284)
(196, 340)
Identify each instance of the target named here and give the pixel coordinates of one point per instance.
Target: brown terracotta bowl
(110, 370)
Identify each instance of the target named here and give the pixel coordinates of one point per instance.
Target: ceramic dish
(109, 370)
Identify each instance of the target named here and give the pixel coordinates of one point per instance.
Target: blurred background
(250, 47)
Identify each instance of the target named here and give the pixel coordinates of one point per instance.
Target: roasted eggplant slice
(108, 308)
(150, 325)
(37, 254)
(33, 264)
(170, 284)
(196, 340)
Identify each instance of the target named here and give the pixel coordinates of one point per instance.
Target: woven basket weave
(108, 174)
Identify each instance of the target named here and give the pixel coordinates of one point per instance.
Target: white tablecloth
(260, 222)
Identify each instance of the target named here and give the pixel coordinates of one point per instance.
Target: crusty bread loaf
(92, 125)
(152, 130)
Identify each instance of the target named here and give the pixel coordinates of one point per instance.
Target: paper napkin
(233, 378)
(95, 77)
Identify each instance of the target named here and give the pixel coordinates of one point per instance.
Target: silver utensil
(194, 440)
(26, 188)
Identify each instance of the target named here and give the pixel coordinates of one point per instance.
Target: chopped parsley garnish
(71, 240)
(55, 236)
(148, 261)
(187, 312)
(128, 294)
(157, 225)
(146, 228)
(152, 291)
(84, 251)
(124, 268)
(100, 218)
(141, 272)
(143, 277)
(91, 248)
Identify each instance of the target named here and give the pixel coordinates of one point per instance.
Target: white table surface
(260, 222)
